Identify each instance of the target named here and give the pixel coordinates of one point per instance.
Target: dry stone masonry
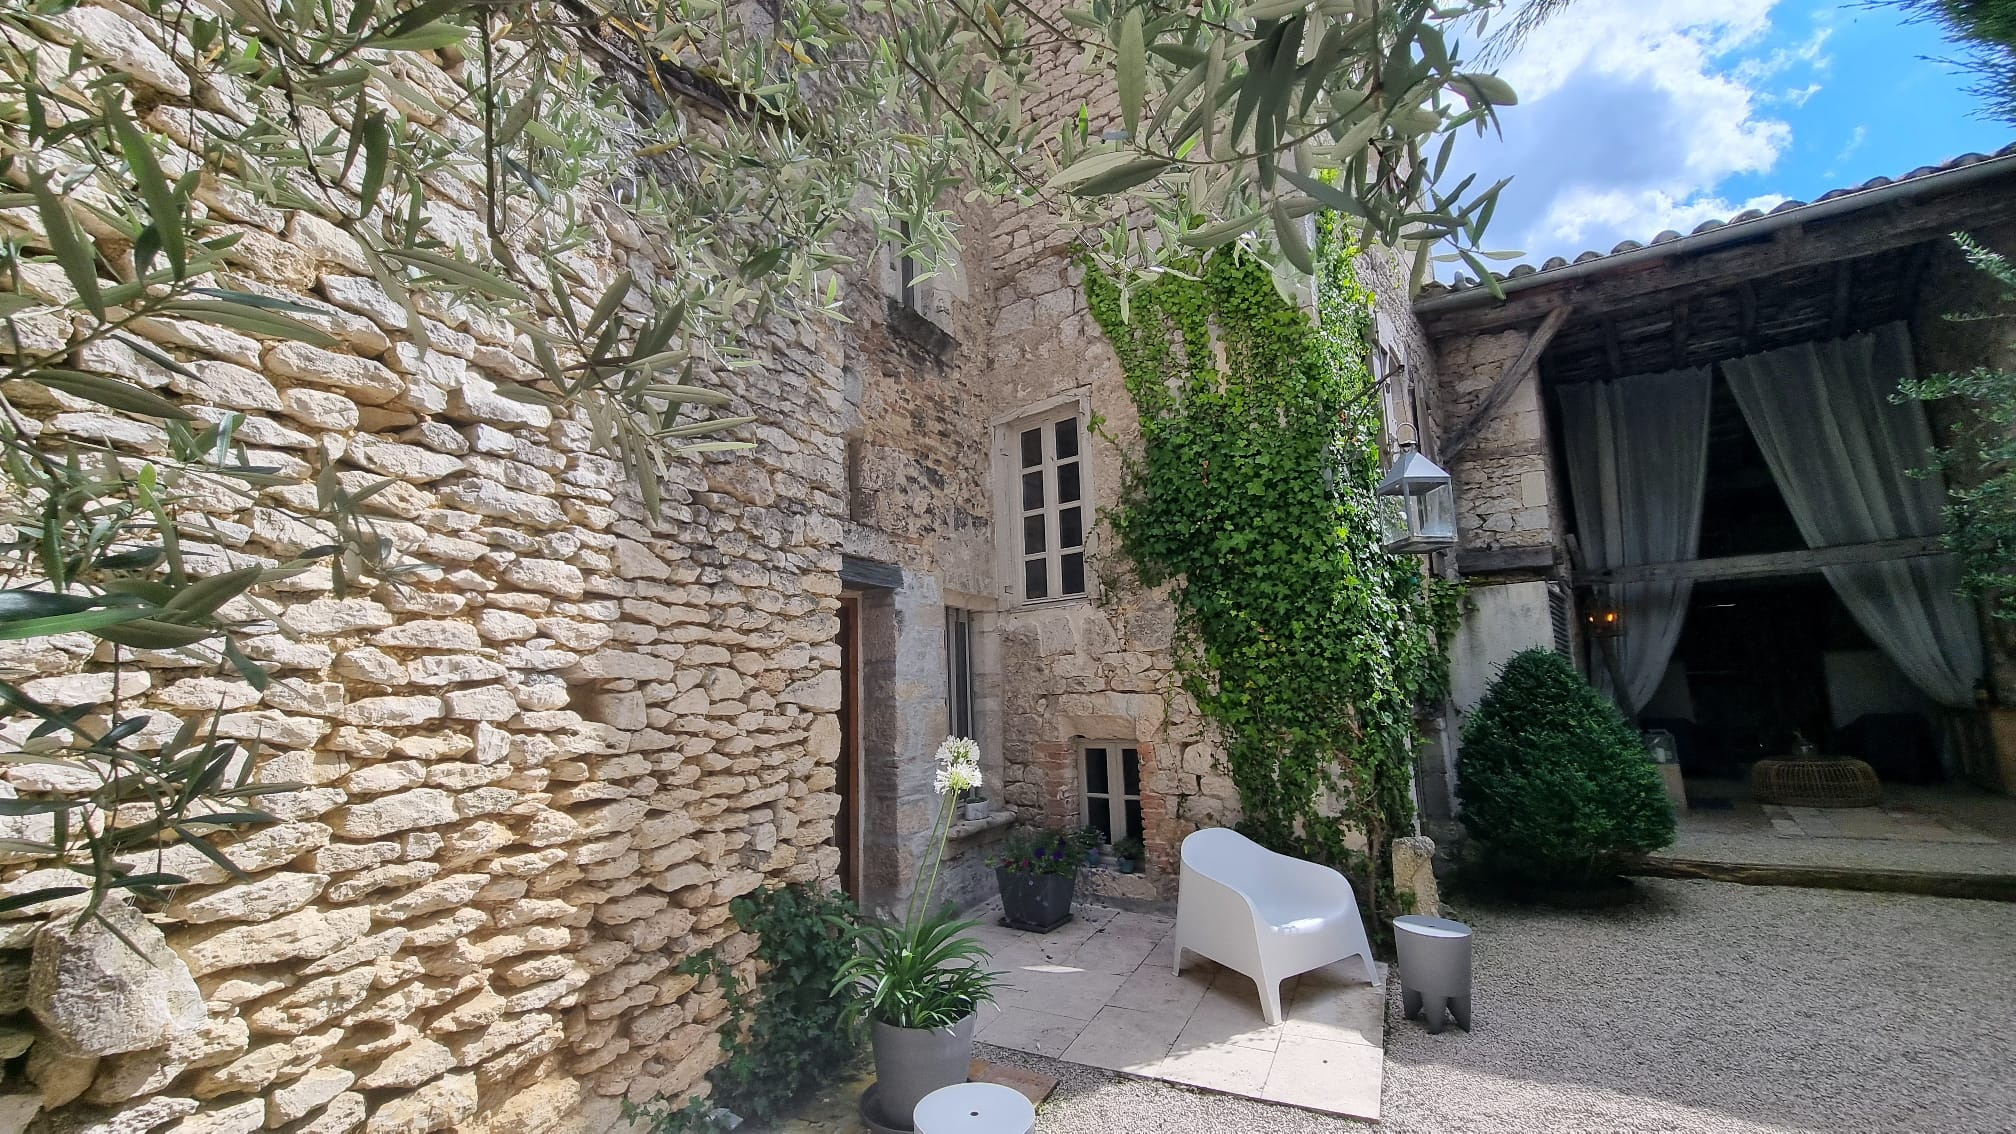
(531, 781)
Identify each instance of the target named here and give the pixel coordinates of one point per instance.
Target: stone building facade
(531, 782)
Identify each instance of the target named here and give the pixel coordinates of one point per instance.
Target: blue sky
(1640, 115)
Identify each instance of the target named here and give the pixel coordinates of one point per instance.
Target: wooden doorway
(847, 782)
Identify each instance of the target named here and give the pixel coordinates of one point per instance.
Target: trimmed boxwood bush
(1554, 781)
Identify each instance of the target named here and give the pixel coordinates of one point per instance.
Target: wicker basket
(1838, 782)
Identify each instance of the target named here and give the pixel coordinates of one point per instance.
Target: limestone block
(363, 296)
(547, 576)
(315, 698)
(304, 1095)
(392, 775)
(263, 849)
(303, 933)
(410, 1066)
(393, 712)
(436, 1106)
(443, 893)
(488, 498)
(105, 36)
(226, 385)
(265, 898)
(134, 1118)
(370, 949)
(446, 928)
(405, 462)
(421, 807)
(104, 995)
(87, 688)
(344, 1113)
(453, 669)
(239, 1118)
(477, 400)
(1414, 873)
(59, 1073)
(17, 1111)
(363, 379)
(486, 703)
(263, 1066)
(314, 1003)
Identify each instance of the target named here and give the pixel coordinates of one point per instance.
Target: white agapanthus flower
(958, 765)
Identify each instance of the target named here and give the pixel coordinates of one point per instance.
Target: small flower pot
(1037, 902)
(1126, 866)
(977, 809)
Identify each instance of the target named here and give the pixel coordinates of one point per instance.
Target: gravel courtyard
(1707, 1007)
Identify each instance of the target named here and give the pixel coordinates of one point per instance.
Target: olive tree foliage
(757, 143)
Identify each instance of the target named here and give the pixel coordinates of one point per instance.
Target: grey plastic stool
(975, 1108)
(1434, 968)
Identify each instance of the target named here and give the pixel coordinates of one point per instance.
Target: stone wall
(532, 782)
(1505, 496)
(1101, 669)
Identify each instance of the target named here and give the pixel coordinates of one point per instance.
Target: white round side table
(974, 1108)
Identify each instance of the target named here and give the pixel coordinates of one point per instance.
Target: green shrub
(1554, 781)
(785, 1036)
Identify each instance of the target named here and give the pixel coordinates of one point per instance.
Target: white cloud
(1647, 212)
(1632, 114)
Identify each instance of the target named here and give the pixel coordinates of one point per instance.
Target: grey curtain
(1637, 452)
(1842, 453)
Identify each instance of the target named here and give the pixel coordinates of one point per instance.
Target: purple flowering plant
(1040, 851)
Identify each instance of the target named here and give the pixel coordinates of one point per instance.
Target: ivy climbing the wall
(1252, 495)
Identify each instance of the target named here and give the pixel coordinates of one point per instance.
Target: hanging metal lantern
(1604, 614)
(1420, 503)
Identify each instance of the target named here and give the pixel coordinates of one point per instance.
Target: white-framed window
(926, 294)
(1110, 789)
(959, 696)
(1048, 505)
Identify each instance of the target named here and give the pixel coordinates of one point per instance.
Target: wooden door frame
(847, 776)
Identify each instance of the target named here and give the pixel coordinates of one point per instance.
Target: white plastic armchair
(1264, 914)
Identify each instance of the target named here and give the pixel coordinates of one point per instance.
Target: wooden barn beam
(1844, 299)
(1683, 276)
(1494, 399)
(1767, 564)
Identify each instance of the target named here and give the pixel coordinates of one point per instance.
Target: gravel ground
(1706, 1007)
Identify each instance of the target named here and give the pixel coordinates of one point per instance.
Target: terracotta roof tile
(1465, 283)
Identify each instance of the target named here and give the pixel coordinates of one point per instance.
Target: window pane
(1035, 580)
(1032, 448)
(1074, 574)
(1032, 534)
(1067, 438)
(1130, 771)
(1095, 771)
(1133, 819)
(1067, 483)
(1071, 528)
(1102, 818)
(1032, 491)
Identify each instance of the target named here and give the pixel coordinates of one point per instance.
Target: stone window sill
(968, 828)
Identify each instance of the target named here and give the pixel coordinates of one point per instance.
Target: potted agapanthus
(921, 980)
(1037, 871)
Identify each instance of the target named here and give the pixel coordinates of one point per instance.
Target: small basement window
(959, 672)
(1111, 799)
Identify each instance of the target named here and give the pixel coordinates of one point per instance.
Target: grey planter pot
(1037, 902)
(912, 1062)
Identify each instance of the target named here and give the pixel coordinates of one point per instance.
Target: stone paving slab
(1099, 992)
